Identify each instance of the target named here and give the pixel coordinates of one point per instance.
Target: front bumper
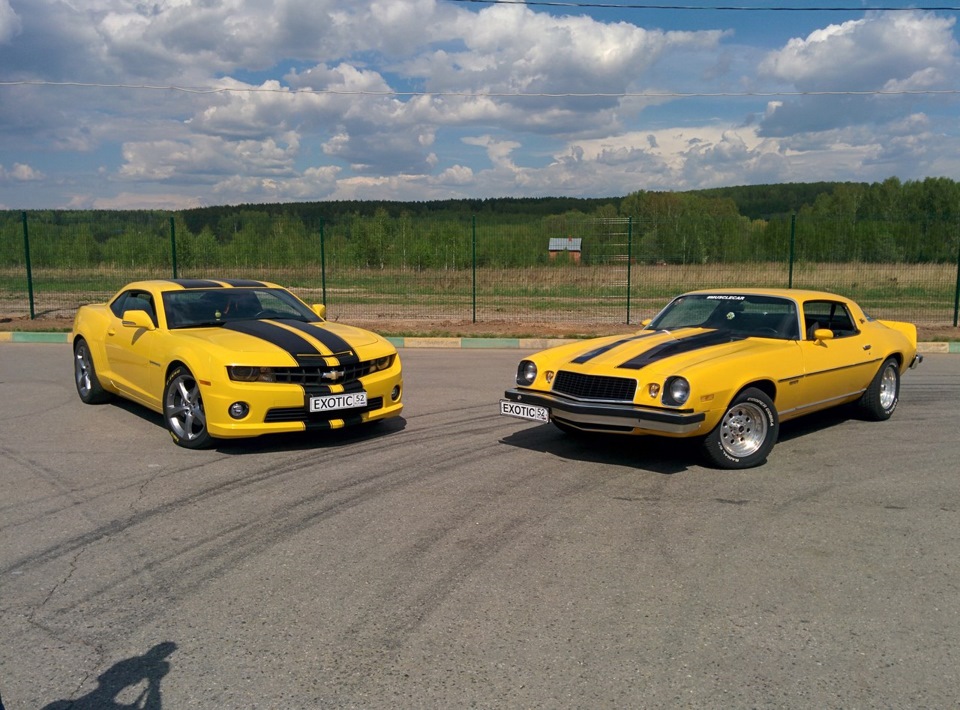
(600, 416)
(282, 408)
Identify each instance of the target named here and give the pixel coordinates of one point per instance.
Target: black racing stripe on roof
(242, 282)
(299, 347)
(588, 356)
(677, 347)
(338, 346)
(195, 283)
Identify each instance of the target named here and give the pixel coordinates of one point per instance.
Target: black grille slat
(600, 387)
(314, 374)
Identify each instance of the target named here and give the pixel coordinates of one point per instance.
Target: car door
(839, 367)
(130, 350)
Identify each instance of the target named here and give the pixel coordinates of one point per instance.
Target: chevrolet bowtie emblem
(332, 375)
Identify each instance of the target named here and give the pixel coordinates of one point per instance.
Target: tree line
(890, 221)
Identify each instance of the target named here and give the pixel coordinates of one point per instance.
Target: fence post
(473, 260)
(26, 255)
(323, 263)
(956, 291)
(629, 261)
(793, 241)
(173, 247)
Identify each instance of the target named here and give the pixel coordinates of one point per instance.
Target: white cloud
(20, 173)
(383, 99)
(10, 24)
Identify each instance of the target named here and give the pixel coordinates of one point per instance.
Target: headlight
(244, 373)
(676, 391)
(526, 373)
(381, 363)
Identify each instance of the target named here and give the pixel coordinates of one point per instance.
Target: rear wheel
(746, 433)
(183, 410)
(85, 375)
(883, 394)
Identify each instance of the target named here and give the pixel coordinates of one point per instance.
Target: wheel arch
(767, 386)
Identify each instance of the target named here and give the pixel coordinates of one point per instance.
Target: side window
(828, 314)
(134, 301)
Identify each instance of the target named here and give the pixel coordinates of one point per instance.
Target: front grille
(300, 414)
(613, 389)
(314, 374)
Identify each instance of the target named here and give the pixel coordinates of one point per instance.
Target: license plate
(331, 402)
(524, 411)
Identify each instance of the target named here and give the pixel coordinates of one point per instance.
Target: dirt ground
(464, 329)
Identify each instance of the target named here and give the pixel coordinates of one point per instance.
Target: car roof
(796, 294)
(189, 284)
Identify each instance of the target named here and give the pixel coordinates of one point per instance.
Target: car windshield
(212, 307)
(740, 314)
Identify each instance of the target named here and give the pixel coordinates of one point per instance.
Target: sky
(173, 104)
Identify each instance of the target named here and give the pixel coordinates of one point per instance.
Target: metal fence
(483, 269)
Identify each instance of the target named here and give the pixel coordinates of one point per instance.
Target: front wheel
(85, 375)
(746, 433)
(183, 410)
(883, 394)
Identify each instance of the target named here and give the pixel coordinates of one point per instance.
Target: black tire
(183, 411)
(882, 396)
(85, 375)
(746, 433)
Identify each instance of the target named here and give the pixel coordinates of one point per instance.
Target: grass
(591, 295)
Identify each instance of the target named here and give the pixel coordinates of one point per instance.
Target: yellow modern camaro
(232, 358)
(726, 366)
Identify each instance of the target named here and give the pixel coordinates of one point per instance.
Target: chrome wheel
(83, 369)
(882, 395)
(889, 386)
(85, 375)
(183, 410)
(743, 429)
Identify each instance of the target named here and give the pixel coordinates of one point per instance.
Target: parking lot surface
(458, 558)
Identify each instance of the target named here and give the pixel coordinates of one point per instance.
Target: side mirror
(320, 310)
(137, 319)
(823, 334)
(645, 322)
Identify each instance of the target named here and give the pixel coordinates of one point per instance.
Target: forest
(886, 222)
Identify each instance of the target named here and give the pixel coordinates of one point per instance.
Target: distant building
(570, 245)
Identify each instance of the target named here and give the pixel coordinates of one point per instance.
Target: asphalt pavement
(457, 558)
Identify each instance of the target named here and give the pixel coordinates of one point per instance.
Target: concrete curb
(531, 344)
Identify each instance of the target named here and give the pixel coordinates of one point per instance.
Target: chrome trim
(608, 414)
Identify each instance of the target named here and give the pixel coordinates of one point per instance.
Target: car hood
(295, 338)
(675, 350)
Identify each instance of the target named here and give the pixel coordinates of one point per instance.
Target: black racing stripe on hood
(299, 347)
(195, 283)
(242, 282)
(338, 346)
(677, 347)
(588, 356)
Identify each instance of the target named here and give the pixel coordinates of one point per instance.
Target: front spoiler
(602, 416)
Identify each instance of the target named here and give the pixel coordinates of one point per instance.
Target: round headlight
(677, 391)
(381, 363)
(526, 373)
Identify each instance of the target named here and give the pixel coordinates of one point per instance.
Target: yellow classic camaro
(232, 358)
(726, 366)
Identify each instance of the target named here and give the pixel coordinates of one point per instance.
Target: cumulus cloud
(10, 24)
(237, 100)
(843, 64)
(20, 173)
